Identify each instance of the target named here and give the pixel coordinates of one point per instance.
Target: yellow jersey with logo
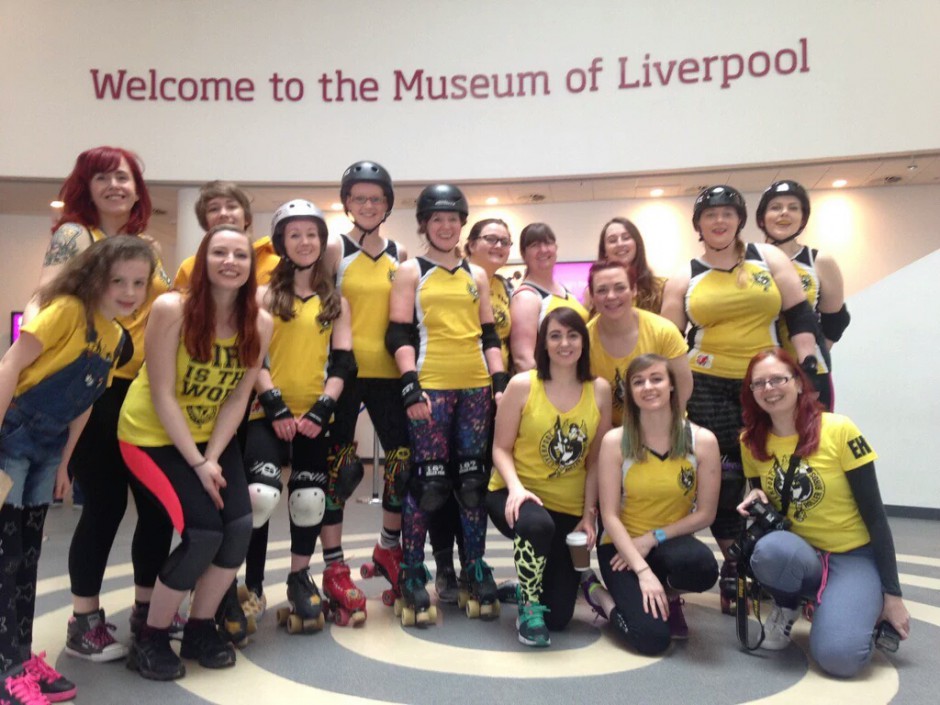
(201, 389)
(805, 262)
(822, 508)
(366, 283)
(656, 335)
(61, 328)
(551, 448)
(447, 313)
(500, 295)
(549, 302)
(266, 260)
(731, 323)
(298, 355)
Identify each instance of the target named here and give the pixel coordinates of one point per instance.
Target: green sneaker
(530, 625)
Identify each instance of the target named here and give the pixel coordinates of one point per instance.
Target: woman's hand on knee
(210, 474)
(896, 614)
(654, 596)
(514, 502)
(755, 495)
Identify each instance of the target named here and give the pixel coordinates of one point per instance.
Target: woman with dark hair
(487, 246)
(105, 195)
(621, 242)
(658, 478)
(838, 553)
(730, 299)
(444, 340)
(538, 293)
(49, 378)
(548, 428)
(782, 214)
(177, 435)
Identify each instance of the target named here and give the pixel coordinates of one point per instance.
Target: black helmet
(783, 188)
(298, 208)
(367, 173)
(441, 197)
(720, 196)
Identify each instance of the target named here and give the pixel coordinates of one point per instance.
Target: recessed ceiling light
(57, 204)
(656, 192)
(492, 201)
(336, 206)
(839, 183)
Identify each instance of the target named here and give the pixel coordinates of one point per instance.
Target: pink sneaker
(52, 684)
(21, 689)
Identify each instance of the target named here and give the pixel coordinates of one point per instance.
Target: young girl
(49, 379)
(289, 422)
(176, 432)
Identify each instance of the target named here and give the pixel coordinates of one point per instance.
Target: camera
(765, 520)
(887, 637)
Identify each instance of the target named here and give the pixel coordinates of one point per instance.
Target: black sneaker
(52, 684)
(17, 687)
(89, 637)
(203, 642)
(152, 656)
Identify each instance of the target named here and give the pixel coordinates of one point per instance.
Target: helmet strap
(784, 241)
(718, 249)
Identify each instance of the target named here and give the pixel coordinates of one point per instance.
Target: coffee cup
(580, 551)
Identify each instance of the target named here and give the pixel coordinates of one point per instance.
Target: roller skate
(305, 614)
(233, 623)
(254, 604)
(446, 585)
(387, 563)
(478, 594)
(345, 603)
(414, 606)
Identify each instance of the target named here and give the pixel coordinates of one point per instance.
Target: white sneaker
(778, 626)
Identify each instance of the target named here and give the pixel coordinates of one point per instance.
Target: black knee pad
(346, 472)
(190, 559)
(471, 482)
(397, 463)
(235, 538)
(430, 485)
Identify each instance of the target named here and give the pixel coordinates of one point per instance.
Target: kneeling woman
(177, 428)
(548, 427)
(659, 478)
(839, 550)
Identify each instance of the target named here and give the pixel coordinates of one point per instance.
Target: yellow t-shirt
(822, 507)
(656, 335)
(499, 301)
(266, 260)
(551, 448)
(201, 389)
(61, 327)
(299, 352)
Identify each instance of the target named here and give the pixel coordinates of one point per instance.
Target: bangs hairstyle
(605, 264)
(199, 308)
(477, 230)
(757, 422)
(281, 286)
(648, 288)
(76, 193)
(569, 318)
(221, 189)
(87, 276)
(680, 432)
(534, 233)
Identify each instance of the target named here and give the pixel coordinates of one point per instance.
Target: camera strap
(785, 493)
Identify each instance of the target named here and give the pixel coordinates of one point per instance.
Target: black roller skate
(230, 617)
(414, 606)
(305, 614)
(478, 593)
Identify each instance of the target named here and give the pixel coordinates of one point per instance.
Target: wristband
(273, 405)
(411, 392)
(659, 535)
(500, 382)
(200, 463)
(322, 410)
(642, 570)
(810, 365)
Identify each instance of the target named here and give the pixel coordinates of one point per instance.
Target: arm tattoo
(63, 246)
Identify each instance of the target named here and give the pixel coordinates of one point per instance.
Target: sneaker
(203, 642)
(678, 629)
(20, 688)
(588, 587)
(778, 626)
(140, 612)
(530, 624)
(152, 656)
(446, 584)
(89, 637)
(52, 684)
(508, 592)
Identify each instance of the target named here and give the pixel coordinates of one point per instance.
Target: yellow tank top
(201, 389)
(366, 284)
(500, 293)
(805, 263)
(731, 324)
(550, 301)
(298, 353)
(551, 449)
(447, 313)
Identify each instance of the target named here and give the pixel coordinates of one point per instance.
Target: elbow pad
(834, 324)
(398, 335)
(342, 364)
(800, 319)
(489, 337)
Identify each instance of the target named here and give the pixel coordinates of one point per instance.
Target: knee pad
(190, 560)
(346, 472)
(430, 485)
(307, 505)
(471, 482)
(397, 473)
(235, 539)
(264, 489)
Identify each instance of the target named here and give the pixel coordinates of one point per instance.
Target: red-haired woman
(105, 195)
(839, 551)
(176, 431)
(621, 242)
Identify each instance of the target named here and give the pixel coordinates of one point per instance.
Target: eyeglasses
(496, 241)
(772, 382)
(371, 200)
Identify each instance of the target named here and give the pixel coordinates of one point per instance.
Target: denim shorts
(30, 456)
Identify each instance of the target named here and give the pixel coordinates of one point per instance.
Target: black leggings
(99, 468)
(683, 563)
(540, 534)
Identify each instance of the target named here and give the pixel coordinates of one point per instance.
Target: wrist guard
(273, 404)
